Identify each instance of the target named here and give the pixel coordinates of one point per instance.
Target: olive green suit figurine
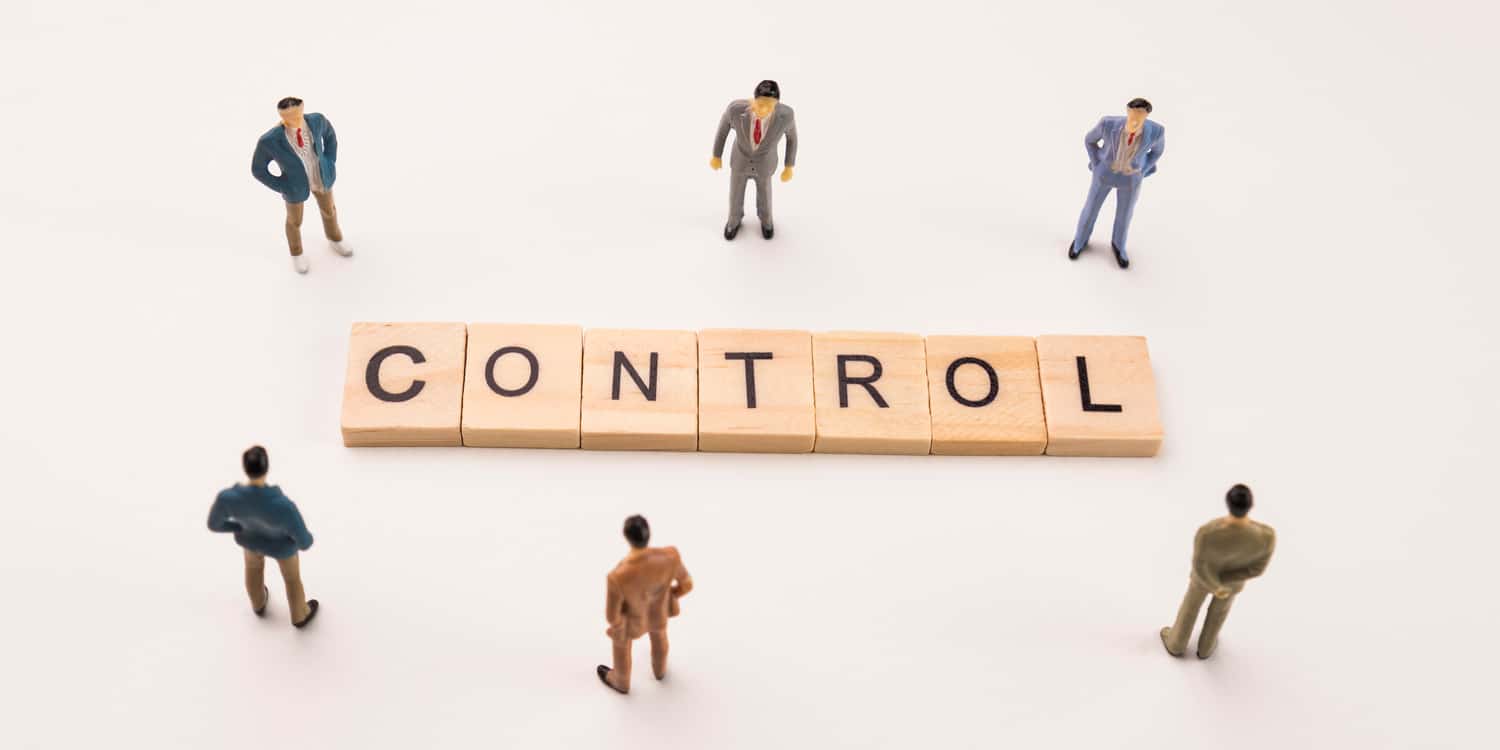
(1226, 552)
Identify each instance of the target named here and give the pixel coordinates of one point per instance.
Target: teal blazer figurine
(1123, 151)
(293, 184)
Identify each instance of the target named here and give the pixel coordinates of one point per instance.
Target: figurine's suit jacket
(640, 596)
(1228, 554)
(293, 184)
(737, 117)
(1153, 144)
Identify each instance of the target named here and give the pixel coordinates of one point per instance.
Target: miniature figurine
(1226, 552)
(1123, 151)
(642, 593)
(266, 524)
(758, 126)
(305, 150)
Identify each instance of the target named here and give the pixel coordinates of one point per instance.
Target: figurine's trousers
(620, 674)
(291, 576)
(1187, 614)
(1126, 189)
(737, 180)
(330, 216)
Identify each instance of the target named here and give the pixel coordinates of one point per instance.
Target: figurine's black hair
(290, 101)
(1139, 103)
(1239, 500)
(256, 462)
(637, 531)
(767, 88)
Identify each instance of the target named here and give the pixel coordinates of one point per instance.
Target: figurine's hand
(786, 174)
(716, 163)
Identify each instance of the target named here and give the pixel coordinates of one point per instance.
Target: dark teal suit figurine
(305, 150)
(1123, 152)
(266, 523)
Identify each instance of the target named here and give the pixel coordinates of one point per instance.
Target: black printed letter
(845, 381)
(621, 362)
(1083, 390)
(372, 374)
(749, 358)
(988, 371)
(489, 371)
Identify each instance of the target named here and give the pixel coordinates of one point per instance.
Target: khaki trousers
(1187, 614)
(330, 221)
(291, 576)
(620, 674)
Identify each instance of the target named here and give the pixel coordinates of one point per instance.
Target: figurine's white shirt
(305, 153)
(1130, 144)
(765, 128)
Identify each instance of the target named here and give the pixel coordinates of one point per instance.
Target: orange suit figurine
(642, 593)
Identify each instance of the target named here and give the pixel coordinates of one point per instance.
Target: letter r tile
(870, 393)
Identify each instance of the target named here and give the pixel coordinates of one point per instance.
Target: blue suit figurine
(1123, 151)
(305, 150)
(266, 523)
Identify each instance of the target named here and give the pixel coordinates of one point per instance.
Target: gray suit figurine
(1123, 152)
(1226, 552)
(758, 126)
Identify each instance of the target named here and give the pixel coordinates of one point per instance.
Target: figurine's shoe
(1073, 252)
(1120, 256)
(262, 611)
(1211, 648)
(603, 673)
(299, 264)
(767, 232)
(312, 611)
(1164, 632)
(730, 232)
(340, 248)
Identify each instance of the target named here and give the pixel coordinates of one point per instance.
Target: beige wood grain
(782, 419)
(433, 415)
(1012, 424)
(670, 423)
(1119, 372)
(904, 426)
(546, 415)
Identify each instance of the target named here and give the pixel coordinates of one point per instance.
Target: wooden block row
(547, 386)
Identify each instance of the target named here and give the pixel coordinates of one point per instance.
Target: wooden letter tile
(404, 385)
(1100, 396)
(640, 390)
(522, 386)
(870, 393)
(986, 396)
(755, 391)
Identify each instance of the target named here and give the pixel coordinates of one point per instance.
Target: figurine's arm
(614, 603)
(298, 529)
(1092, 143)
(1254, 569)
(1204, 573)
(791, 149)
(219, 520)
(719, 138)
(330, 140)
(258, 167)
(1155, 154)
(684, 582)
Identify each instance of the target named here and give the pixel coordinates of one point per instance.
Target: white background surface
(1313, 269)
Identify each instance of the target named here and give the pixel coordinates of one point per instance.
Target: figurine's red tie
(299, 138)
(757, 131)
